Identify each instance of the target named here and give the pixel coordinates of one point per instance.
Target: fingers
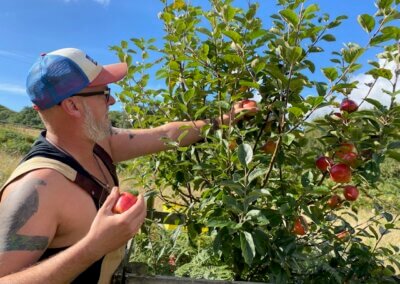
(111, 199)
(138, 210)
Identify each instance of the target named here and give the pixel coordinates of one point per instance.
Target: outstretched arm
(126, 144)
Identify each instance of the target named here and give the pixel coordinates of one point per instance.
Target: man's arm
(108, 232)
(125, 144)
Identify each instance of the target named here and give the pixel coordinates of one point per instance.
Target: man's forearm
(61, 268)
(194, 129)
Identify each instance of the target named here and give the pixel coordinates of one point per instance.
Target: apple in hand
(348, 105)
(350, 192)
(340, 173)
(323, 163)
(125, 201)
(250, 107)
(249, 104)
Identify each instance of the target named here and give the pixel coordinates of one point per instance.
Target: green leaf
(287, 139)
(261, 242)
(394, 145)
(391, 32)
(330, 73)
(367, 22)
(245, 154)
(220, 222)
(256, 34)
(249, 84)
(351, 54)
(236, 37)
(394, 155)
(248, 248)
(375, 103)
(329, 37)
(380, 72)
(310, 10)
(293, 53)
(290, 17)
(255, 174)
(232, 58)
(199, 112)
(384, 4)
(296, 111)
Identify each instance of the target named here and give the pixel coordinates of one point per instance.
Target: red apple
(345, 148)
(340, 173)
(125, 201)
(334, 201)
(269, 147)
(300, 226)
(349, 159)
(348, 105)
(350, 192)
(323, 163)
(342, 235)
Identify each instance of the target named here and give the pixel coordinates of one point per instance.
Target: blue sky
(30, 27)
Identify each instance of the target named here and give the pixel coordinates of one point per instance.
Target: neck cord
(103, 185)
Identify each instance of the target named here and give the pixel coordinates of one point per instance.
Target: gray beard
(95, 130)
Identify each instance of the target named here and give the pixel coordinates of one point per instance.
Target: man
(57, 224)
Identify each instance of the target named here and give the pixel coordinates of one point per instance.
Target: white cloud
(11, 88)
(362, 90)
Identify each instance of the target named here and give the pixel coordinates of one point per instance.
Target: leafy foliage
(248, 199)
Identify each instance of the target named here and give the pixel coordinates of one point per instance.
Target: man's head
(60, 74)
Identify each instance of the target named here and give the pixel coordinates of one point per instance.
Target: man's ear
(72, 107)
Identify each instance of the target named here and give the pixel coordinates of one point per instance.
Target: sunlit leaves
(367, 22)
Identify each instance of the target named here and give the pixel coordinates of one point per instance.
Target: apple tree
(277, 192)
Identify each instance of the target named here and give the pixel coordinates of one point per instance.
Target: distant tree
(6, 114)
(28, 117)
(118, 119)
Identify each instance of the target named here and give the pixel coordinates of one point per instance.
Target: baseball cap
(59, 74)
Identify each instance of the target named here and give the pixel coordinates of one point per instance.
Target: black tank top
(42, 148)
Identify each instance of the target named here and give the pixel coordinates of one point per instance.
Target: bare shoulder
(32, 211)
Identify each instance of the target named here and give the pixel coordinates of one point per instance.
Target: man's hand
(110, 231)
(240, 110)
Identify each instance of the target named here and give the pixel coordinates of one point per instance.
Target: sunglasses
(106, 93)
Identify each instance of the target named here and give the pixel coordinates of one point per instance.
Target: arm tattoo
(131, 136)
(15, 212)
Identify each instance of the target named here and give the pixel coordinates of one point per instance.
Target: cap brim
(109, 74)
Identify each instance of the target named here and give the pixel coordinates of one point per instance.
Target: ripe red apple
(349, 159)
(125, 201)
(323, 163)
(300, 226)
(345, 148)
(342, 235)
(334, 201)
(348, 105)
(350, 192)
(249, 104)
(269, 147)
(340, 173)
